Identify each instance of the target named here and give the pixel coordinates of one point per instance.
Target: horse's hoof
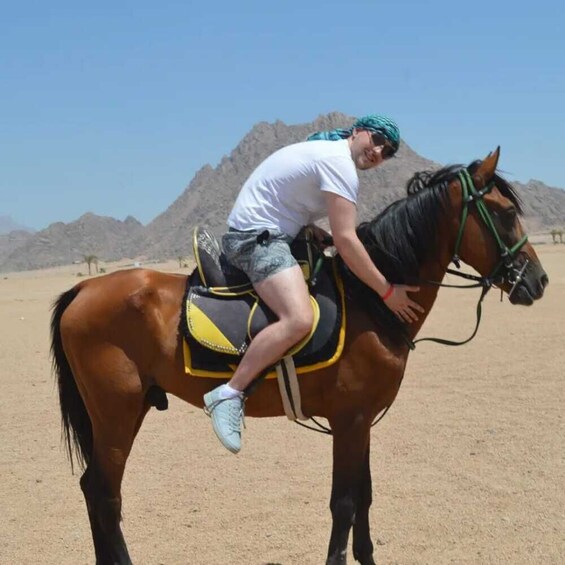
(337, 560)
(367, 559)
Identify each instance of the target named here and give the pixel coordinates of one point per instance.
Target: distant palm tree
(181, 261)
(554, 235)
(560, 234)
(91, 260)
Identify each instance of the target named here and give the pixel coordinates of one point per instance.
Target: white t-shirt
(285, 192)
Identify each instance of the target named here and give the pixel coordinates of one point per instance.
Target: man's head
(372, 139)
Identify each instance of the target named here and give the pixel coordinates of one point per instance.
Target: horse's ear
(487, 168)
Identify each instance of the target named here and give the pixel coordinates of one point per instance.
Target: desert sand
(468, 465)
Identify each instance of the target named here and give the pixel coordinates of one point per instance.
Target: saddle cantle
(221, 313)
(212, 268)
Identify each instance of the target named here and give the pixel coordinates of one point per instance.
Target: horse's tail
(75, 422)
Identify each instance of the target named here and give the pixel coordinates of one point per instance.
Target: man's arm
(343, 218)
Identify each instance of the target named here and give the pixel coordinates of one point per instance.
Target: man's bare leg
(286, 294)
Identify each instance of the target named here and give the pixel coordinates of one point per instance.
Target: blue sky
(112, 107)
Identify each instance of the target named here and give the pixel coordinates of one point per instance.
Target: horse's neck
(428, 292)
(433, 270)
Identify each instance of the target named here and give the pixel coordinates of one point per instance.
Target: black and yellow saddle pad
(218, 324)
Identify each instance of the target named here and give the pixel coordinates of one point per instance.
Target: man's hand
(401, 305)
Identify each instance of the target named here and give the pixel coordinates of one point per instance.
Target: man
(295, 186)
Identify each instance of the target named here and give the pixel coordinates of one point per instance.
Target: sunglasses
(377, 139)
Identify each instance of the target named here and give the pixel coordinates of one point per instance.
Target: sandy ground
(468, 466)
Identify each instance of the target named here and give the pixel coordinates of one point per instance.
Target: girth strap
(289, 389)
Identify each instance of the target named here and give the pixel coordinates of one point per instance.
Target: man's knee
(301, 322)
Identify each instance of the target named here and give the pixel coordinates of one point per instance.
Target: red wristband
(388, 293)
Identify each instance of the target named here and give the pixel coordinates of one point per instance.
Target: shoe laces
(234, 415)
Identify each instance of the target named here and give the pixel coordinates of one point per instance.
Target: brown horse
(115, 341)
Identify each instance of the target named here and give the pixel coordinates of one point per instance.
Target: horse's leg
(101, 484)
(362, 544)
(116, 415)
(350, 441)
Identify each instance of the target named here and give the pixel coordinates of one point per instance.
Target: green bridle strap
(464, 212)
(471, 194)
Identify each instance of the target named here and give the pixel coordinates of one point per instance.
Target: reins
(486, 285)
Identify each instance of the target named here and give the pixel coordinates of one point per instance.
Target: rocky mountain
(11, 241)
(211, 193)
(544, 206)
(61, 244)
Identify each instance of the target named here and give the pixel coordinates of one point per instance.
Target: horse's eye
(508, 218)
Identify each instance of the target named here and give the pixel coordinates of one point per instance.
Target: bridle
(507, 255)
(506, 270)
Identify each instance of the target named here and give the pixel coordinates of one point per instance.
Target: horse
(115, 341)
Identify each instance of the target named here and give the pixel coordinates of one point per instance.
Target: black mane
(404, 235)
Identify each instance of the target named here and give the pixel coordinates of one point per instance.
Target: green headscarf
(373, 122)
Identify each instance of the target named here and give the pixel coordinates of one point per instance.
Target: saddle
(221, 313)
(213, 270)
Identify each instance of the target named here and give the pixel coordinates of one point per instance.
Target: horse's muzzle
(531, 286)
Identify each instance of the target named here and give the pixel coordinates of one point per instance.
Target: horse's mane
(404, 235)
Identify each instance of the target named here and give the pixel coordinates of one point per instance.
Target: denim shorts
(259, 254)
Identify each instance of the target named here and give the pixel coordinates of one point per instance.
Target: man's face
(365, 154)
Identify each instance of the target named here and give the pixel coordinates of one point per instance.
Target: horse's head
(489, 236)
